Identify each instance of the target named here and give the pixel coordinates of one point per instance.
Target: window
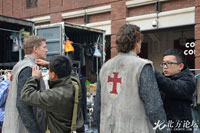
(31, 3)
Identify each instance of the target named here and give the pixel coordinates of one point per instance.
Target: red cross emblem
(115, 80)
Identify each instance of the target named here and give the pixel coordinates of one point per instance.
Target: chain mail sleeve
(150, 95)
(26, 111)
(97, 105)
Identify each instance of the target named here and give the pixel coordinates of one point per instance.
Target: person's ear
(35, 49)
(136, 44)
(181, 66)
(54, 76)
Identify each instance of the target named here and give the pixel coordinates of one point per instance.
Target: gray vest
(12, 121)
(122, 110)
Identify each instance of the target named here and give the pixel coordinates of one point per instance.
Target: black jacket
(178, 90)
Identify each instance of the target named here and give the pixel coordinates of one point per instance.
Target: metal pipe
(194, 69)
(9, 30)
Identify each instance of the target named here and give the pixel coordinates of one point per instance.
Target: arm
(25, 111)
(182, 88)
(149, 93)
(41, 62)
(97, 105)
(32, 95)
(46, 100)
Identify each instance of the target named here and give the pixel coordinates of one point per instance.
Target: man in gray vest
(19, 117)
(128, 99)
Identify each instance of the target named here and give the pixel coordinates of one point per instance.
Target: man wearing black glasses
(177, 85)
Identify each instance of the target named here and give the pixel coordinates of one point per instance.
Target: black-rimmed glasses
(168, 63)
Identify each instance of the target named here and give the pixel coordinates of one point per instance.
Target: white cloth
(12, 121)
(122, 110)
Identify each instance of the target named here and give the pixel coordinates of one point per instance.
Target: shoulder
(25, 73)
(25, 70)
(187, 75)
(21, 65)
(75, 80)
(147, 71)
(147, 68)
(141, 64)
(145, 61)
(108, 63)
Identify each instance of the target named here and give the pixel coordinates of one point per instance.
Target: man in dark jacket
(58, 101)
(177, 84)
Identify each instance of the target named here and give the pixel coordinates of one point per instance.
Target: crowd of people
(132, 96)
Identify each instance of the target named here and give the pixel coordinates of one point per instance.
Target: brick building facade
(197, 34)
(176, 19)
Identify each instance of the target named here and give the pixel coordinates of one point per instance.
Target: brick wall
(1, 6)
(18, 8)
(77, 20)
(56, 17)
(197, 34)
(118, 17)
(7, 7)
(113, 46)
(44, 23)
(177, 4)
(165, 6)
(141, 10)
(99, 17)
(197, 2)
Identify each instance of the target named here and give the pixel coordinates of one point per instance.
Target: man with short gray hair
(19, 117)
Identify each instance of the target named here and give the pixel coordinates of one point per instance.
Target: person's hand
(41, 62)
(36, 72)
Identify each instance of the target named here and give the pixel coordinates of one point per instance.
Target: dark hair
(127, 36)
(180, 57)
(30, 42)
(61, 65)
